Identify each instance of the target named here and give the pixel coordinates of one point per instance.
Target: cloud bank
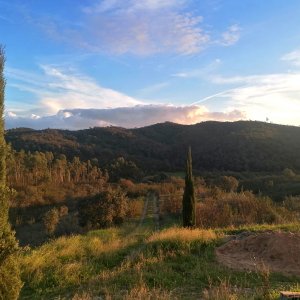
(128, 117)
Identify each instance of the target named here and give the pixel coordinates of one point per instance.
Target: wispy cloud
(128, 117)
(144, 27)
(231, 36)
(293, 58)
(58, 89)
(136, 27)
(276, 96)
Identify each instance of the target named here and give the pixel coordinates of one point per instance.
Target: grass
(171, 263)
(287, 227)
(137, 262)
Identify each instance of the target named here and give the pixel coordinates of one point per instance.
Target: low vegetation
(174, 263)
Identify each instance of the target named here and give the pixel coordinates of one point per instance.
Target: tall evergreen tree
(10, 283)
(188, 201)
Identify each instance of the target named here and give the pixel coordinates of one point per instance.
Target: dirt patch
(278, 251)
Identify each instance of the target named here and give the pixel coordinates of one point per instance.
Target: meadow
(140, 261)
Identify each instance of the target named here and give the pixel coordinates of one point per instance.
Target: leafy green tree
(10, 283)
(188, 201)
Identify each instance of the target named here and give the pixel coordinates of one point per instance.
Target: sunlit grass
(118, 263)
(290, 227)
(183, 235)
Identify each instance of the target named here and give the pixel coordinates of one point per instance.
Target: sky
(76, 64)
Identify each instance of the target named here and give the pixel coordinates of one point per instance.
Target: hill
(224, 146)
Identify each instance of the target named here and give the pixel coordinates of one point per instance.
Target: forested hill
(237, 146)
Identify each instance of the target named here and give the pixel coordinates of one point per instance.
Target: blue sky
(75, 64)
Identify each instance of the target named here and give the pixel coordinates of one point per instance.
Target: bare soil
(275, 251)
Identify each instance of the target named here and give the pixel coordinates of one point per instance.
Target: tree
(10, 283)
(228, 183)
(188, 201)
(103, 210)
(51, 219)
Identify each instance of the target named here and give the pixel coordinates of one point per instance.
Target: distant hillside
(237, 146)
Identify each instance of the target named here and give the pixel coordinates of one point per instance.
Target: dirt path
(150, 211)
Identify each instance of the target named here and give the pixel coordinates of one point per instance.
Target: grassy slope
(138, 263)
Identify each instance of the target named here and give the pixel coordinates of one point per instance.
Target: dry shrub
(126, 183)
(171, 203)
(292, 203)
(238, 209)
(63, 211)
(183, 235)
(135, 208)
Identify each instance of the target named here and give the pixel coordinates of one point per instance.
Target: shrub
(63, 211)
(288, 173)
(51, 219)
(228, 183)
(171, 203)
(238, 209)
(103, 210)
(135, 208)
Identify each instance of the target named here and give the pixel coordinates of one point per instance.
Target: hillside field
(147, 259)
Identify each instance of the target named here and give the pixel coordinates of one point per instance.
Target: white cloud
(231, 36)
(142, 28)
(293, 58)
(138, 27)
(276, 96)
(129, 117)
(59, 89)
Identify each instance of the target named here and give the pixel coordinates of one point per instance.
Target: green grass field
(137, 262)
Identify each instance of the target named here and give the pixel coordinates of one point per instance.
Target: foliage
(235, 209)
(51, 219)
(233, 146)
(121, 168)
(41, 178)
(113, 264)
(135, 208)
(103, 210)
(188, 200)
(10, 283)
(228, 183)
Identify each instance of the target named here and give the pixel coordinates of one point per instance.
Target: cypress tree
(188, 201)
(10, 283)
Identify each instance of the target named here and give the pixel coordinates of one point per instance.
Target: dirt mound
(278, 251)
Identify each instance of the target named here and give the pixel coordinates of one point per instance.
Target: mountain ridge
(230, 146)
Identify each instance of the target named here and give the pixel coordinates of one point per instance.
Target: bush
(171, 203)
(228, 183)
(63, 211)
(51, 219)
(239, 209)
(135, 208)
(106, 209)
